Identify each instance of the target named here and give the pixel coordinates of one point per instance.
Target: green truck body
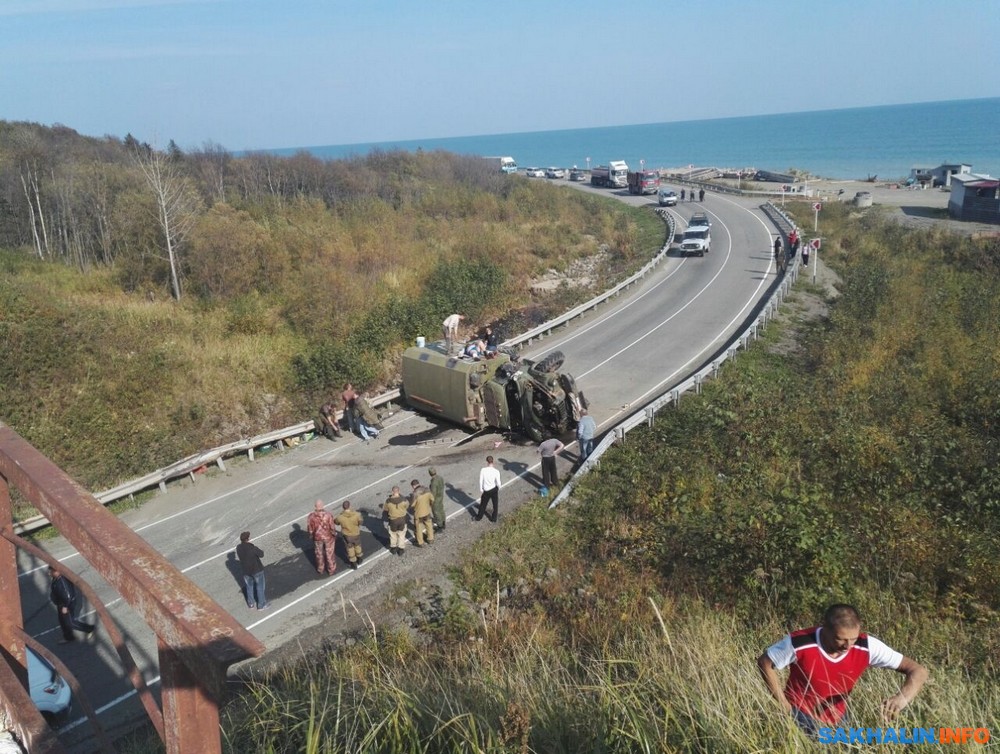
(532, 398)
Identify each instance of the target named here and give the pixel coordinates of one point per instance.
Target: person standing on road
(349, 522)
(450, 329)
(395, 510)
(489, 490)
(701, 195)
(805, 256)
(683, 194)
(549, 449)
(437, 507)
(586, 428)
(62, 592)
(421, 501)
(253, 572)
(826, 661)
(349, 396)
(324, 535)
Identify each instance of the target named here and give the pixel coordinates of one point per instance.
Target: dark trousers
(493, 495)
(549, 475)
(68, 622)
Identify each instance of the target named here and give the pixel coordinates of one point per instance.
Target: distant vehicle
(612, 175)
(49, 691)
(667, 197)
(534, 172)
(697, 239)
(530, 397)
(502, 164)
(577, 175)
(555, 173)
(699, 218)
(643, 182)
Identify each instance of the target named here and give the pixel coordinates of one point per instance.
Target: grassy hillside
(295, 275)
(861, 465)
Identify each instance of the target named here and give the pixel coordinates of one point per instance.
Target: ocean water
(855, 143)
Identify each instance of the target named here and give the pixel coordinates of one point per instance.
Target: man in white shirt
(450, 329)
(489, 489)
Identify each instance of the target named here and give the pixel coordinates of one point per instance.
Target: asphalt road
(622, 355)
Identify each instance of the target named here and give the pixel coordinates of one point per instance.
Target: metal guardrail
(282, 437)
(672, 395)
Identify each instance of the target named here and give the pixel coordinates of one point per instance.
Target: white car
(534, 172)
(555, 173)
(49, 690)
(667, 198)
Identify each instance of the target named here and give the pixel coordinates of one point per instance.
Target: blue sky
(251, 74)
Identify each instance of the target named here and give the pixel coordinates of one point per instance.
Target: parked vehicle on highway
(534, 172)
(555, 173)
(577, 175)
(699, 218)
(502, 164)
(612, 175)
(667, 198)
(697, 239)
(506, 393)
(643, 182)
(49, 690)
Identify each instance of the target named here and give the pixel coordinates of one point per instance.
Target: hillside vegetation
(862, 465)
(156, 303)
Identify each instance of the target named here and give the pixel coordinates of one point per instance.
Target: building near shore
(975, 197)
(938, 176)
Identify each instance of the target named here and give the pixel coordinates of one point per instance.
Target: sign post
(815, 244)
(816, 208)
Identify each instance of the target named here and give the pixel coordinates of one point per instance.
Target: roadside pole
(815, 243)
(816, 208)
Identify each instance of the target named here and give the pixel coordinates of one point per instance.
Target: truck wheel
(550, 363)
(512, 352)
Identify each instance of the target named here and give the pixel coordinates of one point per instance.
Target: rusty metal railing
(196, 639)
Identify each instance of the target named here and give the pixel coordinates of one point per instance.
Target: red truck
(643, 182)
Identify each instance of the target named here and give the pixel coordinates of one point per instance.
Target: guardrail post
(675, 397)
(620, 435)
(649, 415)
(697, 384)
(716, 366)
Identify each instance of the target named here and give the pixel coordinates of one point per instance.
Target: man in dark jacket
(62, 592)
(253, 572)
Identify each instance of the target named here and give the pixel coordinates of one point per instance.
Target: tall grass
(864, 468)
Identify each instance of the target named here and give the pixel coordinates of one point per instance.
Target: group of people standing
(692, 195)
(425, 505)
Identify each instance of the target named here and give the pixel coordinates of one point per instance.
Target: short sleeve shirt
(879, 655)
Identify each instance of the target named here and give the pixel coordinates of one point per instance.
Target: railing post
(649, 415)
(10, 591)
(190, 714)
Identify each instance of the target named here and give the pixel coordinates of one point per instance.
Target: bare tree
(177, 205)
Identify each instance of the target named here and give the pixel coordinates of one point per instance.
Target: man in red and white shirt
(826, 661)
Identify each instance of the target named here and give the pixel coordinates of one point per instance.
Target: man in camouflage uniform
(421, 501)
(349, 522)
(321, 528)
(396, 508)
(437, 508)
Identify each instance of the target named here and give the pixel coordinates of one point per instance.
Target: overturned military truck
(506, 393)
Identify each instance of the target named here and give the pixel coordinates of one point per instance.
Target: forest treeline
(173, 300)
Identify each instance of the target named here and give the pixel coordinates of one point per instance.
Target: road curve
(622, 355)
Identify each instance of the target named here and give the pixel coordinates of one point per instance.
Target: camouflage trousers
(397, 538)
(353, 548)
(325, 559)
(424, 528)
